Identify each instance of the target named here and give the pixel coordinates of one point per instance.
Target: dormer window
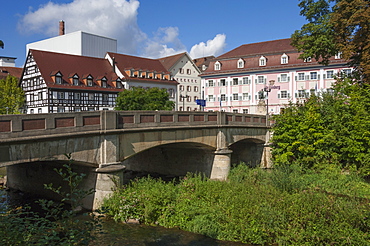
(89, 81)
(308, 59)
(284, 59)
(240, 63)
(338, 55)
(262, 61)
(217, 65)
(58, 78)
(104, 83)
(75, 79)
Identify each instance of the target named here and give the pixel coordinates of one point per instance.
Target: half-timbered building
(55, 82)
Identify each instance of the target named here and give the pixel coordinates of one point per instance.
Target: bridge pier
(108, 178)
(221, 164)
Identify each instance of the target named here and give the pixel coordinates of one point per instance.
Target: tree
(138, 98)
(1, 44)
(329, 129)
(11, 96)
(336, 26)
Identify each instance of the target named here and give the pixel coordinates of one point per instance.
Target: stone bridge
(110, 143)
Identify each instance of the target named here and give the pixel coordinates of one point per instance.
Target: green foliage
(138, 98)
(325, 130)
(11, 96)
(1, 44)
(336, 26)
(287, 206)
(58, 226)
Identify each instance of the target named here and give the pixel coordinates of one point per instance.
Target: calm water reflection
(140, 235)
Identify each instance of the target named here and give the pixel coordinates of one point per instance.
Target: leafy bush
(288, 206)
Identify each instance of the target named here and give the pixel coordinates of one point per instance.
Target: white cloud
(115, 19)
(164, 43)
(213, 47)
(112, 18)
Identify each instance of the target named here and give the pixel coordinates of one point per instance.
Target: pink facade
(235, 81)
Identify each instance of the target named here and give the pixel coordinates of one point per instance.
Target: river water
(115, 233)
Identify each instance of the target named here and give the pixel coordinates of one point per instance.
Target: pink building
(237, 81)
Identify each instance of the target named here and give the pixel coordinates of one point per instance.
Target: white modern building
(76, 43)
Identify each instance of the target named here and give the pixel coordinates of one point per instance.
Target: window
(338, 55)
(217, 65)
(119, 84)
(196, 88)
(58, 79)
(32, 97)
(75, 80)
(245, 81)
(235, 111)
(347, 72)
(301, 94)
(262, 61)
(77, 97)
(104, 83)
(188, 109)
(235, 97)
(235, 81)
(171, 93)
(308, 59)
(39, 96)
(284, 94)
(31, 111)
(211, 83)
(91, 96)
(181, 88)
(89, 82)
(39, 111)
(330, 91)
(60, 109)
(195, 98)
(181, 70)
(313, 75)
(240, 63)
(300, 76)
(284, 59)
(283, 77)
(223, 82)
(330, 74)
(188, 98)
(223, 97)
(261, 80)
(188, 71)
(188, 88)
(211, 98)
(245, 111)
(60, 95)
(245, 96)
(261, 95)
(105, 97)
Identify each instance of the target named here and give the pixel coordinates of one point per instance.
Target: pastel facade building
(186, 73)
(239, 80)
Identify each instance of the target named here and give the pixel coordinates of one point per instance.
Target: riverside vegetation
(287, 206)
(56, 224)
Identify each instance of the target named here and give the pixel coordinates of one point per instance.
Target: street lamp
(183, 101)
(267, 89)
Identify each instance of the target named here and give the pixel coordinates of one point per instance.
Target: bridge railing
(25, 125)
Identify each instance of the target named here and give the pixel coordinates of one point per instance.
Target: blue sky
(151, 28)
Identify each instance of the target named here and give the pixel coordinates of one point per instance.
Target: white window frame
(235, 97)
(262, 61)
(217, 66)
(240, 63)
(245, 111)
(245, 80)
(284, 77)
(284, 59)
(301, 76)
(330, 74)
(245, 96)
(312, 77)
(211, 98)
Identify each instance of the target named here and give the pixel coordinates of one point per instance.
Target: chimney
(61, 28)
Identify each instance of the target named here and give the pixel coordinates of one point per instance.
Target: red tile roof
(127, 62)
(251, 53)
(13, 71)
(268, 47)
(50, 62)
(169, 61)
